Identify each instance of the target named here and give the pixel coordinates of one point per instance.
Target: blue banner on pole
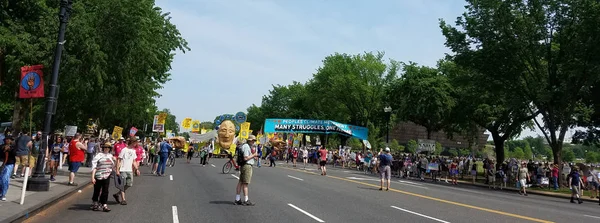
(315, 126)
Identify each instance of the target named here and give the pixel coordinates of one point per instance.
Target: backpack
(239, 152)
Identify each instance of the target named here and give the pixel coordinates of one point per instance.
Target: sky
(240, 48)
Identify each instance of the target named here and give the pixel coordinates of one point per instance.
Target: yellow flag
(196, 126)
(162, 118)
(244, 134)
(186, 123)
(245, 126)
(117, 132)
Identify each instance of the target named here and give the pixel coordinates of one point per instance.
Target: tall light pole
(388, 113)
(39, 182)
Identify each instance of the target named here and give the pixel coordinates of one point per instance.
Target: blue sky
(242, 47)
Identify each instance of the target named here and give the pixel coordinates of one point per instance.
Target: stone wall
(405, 131)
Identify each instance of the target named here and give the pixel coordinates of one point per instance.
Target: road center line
(422, 215)
(293, 177)
(175, 216)
(434, 199)
(306, 213)
(233, 175)
(213, 165)
(590, 216)
(170, 177)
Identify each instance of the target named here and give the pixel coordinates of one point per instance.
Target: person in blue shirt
(575, 182)
(164, 149)
(385, 161)
(259, 148)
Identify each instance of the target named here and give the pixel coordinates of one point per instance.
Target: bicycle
(171, 159)
(231, 163)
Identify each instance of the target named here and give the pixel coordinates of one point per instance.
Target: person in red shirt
(323, 156)
(139, 152)
(555, 176)
(294, 156)
(119, 146)
(76, 157)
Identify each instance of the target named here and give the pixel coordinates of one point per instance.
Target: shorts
(128, 176)
(492, 179)
(156, 158)
(32, 160)
(453, 172)
(246, 174)
(22, 160)
(55, 157)
(473, 172)
(322, 163)
(594, 185)
(523, 182)
(190, 155)
(385, 172)
(574, 190)
(74, 166)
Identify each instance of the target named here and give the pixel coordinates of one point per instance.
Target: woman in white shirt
(305, 156)
(102, 166)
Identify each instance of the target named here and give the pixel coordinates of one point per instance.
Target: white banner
(70, 130)
(203, 137)
(426, 145)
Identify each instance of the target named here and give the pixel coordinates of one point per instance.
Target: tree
(395, 146)
(591, 157)
(117, 55)
(527, 153)
(350, 89)
(412, 146)
(423, 96)
(171, 122)
(568, 155)
(518, 153)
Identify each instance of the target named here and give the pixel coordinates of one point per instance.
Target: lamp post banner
(315, 126)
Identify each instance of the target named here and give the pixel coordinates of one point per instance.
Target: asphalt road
(285, 194)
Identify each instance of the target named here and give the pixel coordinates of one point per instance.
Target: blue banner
(315, 126)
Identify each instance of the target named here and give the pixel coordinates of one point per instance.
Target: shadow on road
(80, 207)
(221, 202)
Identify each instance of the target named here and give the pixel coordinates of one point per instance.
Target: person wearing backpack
(245, 160)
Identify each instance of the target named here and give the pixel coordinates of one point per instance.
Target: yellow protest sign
(186, 123)
(162, 118)
(117, 132)
(202, 131)
(245, 126)
(196, 126)
(244, 134)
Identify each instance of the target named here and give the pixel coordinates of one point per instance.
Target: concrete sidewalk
(12, 211)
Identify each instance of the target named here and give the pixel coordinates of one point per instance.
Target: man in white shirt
(125, 166)
(247, 161)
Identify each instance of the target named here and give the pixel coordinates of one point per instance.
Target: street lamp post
(39, 182)
(388, 112)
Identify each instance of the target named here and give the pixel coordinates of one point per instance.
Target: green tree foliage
(542, 51)
(568, 155)
(395, 146)
(117, 55)
(423, 95)
(411, 146)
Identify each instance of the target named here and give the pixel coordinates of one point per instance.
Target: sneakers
(3, 199)
(248, 203)
(237, 202)
(72, 184)
(116, 196)
(52, 178)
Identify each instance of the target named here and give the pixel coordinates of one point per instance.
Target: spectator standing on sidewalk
(90, 152)
(24, 145)
(9, 159)
(102, 166)
(34, 151)
(555, 176)
(76, 157)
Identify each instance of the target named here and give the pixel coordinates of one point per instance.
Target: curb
(546, 194)
(25, 214)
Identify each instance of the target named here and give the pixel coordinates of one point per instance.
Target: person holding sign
(385, 161)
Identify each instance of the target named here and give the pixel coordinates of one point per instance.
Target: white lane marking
(408, 182)
(175, 216)
(346, 171)
(170, 177)
(591, 216)
(306, 213)
(414, 185)
(422, 215)
(293, 177)
(233, 175)
(213, 165)
(358, 178)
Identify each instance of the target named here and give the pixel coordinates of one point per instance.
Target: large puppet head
(226, 133)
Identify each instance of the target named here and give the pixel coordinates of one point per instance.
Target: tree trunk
(499, 148)
(428, 133)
